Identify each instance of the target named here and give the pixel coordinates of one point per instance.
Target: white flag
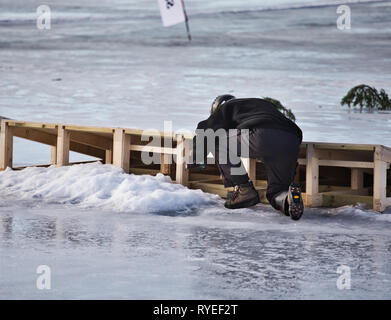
(172, 12)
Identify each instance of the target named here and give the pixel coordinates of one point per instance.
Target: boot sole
(244, 204)
(296, 205)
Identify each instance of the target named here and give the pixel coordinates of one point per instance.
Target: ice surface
(112, 63)
(108, 235)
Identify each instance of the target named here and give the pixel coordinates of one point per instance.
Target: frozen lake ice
(104, 238)
(114, 64)
(210, 254)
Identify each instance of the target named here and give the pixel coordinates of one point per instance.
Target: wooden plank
(36, 125)
(326, 188)
(362, 192)
(109, 156)
(338, 200)
(356, 178)
(210, 188)
(151, 133)
(48, 165)
(39, 136)
(147, 148)
(156, 133)
(35, 135)
(63, 146)
(345, 164)
(90, 129)
(141, 171)
(53, 155)
(182, 175)
(121, 149)
(346, 155)
(199, 177)
(379, 181)
(385, 154)
(6, 145)
(251, 167)
(313, 198)
(91, 139)
(343, 146)
(87, 150)
(165, 164)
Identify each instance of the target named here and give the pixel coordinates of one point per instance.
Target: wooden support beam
(108, 156)
(346, 164)
(53, 155)
(338, 146)
(356, 179)
(40, 136)
(379, 181)
(89, 129)
(37, 125)
(6, 145)
(35, 135)
(87, 150)
(121, 149)
(251, 167)
(165, 163)
(91, 139)
(385, 153)
(152, 172)
(313, 198)
(63, 146)
(338, 200)
(182, 175)
(146, 148)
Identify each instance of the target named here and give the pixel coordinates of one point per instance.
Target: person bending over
(271, 138)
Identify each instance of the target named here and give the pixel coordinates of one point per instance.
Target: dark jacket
(247, 114)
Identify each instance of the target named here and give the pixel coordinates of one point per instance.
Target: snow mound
(101, 186)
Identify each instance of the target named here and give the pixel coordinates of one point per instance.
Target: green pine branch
(286, 112)
(367, 97)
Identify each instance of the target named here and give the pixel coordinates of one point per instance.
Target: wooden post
(379, 181)
(165, 163)
(63, 141)
(357, 179)
(6, 145)
(53, 155)
(182, 175)
(313, 198)
(121, 149)
(251, 167)
(109, 156)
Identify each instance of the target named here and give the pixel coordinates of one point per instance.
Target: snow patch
(102, 186)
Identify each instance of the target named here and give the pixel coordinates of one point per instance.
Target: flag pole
(186, 21)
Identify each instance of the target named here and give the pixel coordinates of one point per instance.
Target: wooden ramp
(331, 174)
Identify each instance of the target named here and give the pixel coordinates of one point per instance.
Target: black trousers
(277, 149)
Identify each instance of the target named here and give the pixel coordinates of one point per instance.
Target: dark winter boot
(295, 201)
(281, 202)
(290, 202)
(243, 196)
